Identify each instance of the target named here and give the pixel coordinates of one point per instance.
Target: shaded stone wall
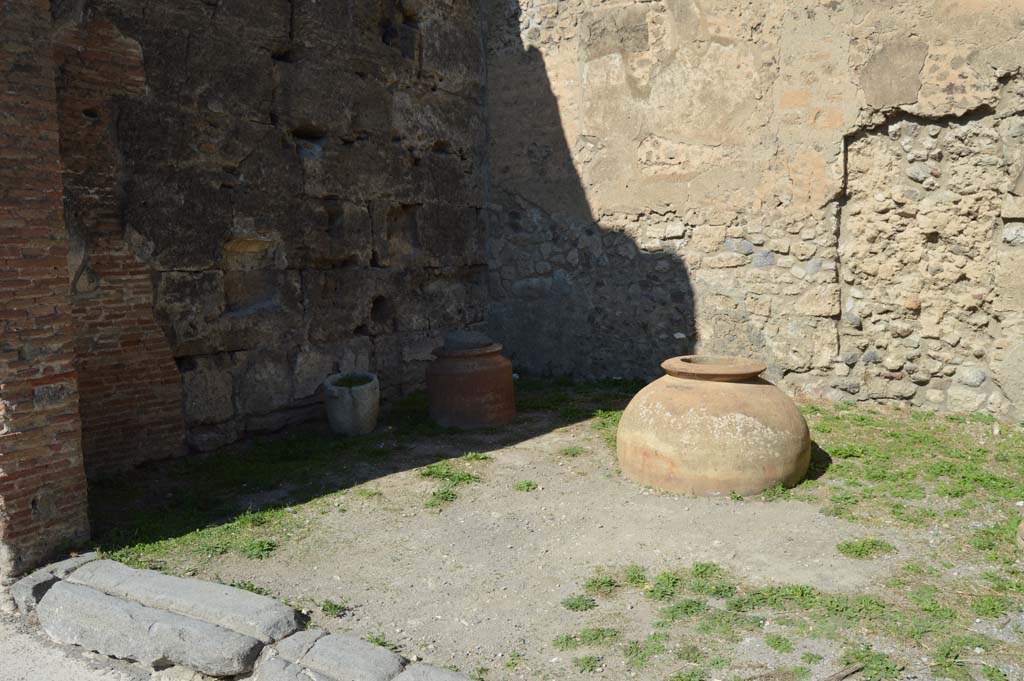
(260, 194)
(833, 187)
(42, 483)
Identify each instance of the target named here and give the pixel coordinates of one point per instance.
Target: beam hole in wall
(382, 314)
(309, 140)
(285, 56)
(91, 114)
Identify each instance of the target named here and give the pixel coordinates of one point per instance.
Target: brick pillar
(42, 481)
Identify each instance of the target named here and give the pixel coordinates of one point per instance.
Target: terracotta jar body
(471, 387)
(711, 427)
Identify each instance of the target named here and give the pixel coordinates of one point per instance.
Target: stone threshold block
(28, 590)
(260, 617)
(320, 656)
(79, 615)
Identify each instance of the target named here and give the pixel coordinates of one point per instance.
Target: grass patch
(525, 486)
(635, 575)
(664, 587)
(379, 639)
(865, 549)
(601, 586)
(333, 608)
(777, 493)
(607, 424)
(639, 653)
(445, 494)
(579, 603)
(444, 471)
(257, 549)
(588, 664)
(726, 625)
(779, 644)
(572, 452)
(877, 666)
(251, 588)
(477, 456)
(586, 637)
(684, 609)
(990, 606)
(450, 478)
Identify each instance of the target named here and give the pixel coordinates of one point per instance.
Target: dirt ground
(478, 582)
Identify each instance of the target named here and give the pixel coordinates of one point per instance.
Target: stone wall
(259, 194)
(42, 484)
(834, 187)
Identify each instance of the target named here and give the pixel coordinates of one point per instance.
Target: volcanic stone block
(28, 590)
(341, 657)
(79, 615)
(277, 669)
(248, 613)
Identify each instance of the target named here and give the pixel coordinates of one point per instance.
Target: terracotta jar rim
(713, 367)
(468, 352)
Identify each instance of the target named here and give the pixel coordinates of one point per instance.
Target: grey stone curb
(28, 590)
(216, 630)
(71, 613)
(258, 616)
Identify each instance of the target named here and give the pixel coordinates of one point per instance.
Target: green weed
(251, 588)
(865, 549)
(600, 585)
(258, 549)
(778, 643)
(579, 603)
(639, 653)
(333, 608)
(588, 664)
(607, 424)
(877, 666)
(635, 575)
(379, 639)
(586, 637)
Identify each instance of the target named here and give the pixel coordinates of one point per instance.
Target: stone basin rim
(713, 367)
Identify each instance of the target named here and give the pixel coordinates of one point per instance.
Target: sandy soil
(483, 578)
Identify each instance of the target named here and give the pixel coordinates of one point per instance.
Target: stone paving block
(299, 643)
(79, 615)
(28, 590)
(424, 672)
(258, 616)
(278, 669)
(346, 658)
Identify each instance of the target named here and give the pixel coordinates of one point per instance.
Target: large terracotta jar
(710, 426)
(470, 385)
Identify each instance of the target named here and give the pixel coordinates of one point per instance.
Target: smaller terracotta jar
(469, 385)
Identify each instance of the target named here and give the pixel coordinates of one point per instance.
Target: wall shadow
(569, 296)
(571, 293)
(170, 499)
